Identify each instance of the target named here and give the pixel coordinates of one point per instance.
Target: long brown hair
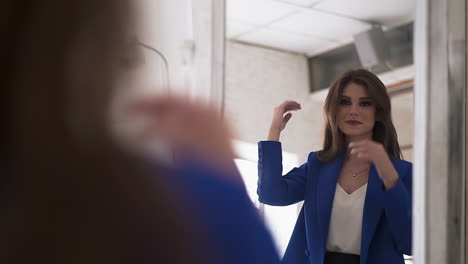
(73, 195)
(384, 131)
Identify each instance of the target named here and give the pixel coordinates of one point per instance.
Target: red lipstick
(353, 122)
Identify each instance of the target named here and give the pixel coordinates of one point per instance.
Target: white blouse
(344, 233)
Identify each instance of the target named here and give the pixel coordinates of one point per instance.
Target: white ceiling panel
(235, 28)
(286, 41)
(258, 12)
(387, 12)
(323, 25)
(324, 49)
(303, 3)
(326, 25)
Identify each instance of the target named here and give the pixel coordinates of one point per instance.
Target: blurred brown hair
(384, 131)
(73, 196)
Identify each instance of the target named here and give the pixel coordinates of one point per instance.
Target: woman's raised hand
(187, 125)
(281, 116)
(372, 151)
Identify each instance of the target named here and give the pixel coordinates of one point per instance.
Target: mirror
(279, 50)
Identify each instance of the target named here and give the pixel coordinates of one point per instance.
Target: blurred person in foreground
(70, 192)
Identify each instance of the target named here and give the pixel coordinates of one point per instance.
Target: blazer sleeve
(223, 218)
(273, 188)
(398, 208)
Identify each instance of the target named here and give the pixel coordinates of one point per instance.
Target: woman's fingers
(286, 118)
(363, 155)
(367, 149)
(291, 108)
(290, 105)
(360, 152)
(358, 149)
(173, 115)
(286, 107)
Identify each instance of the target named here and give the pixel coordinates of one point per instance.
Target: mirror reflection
(294, 50)
(92, 89)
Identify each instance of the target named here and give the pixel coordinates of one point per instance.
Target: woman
(356, 190)
(73, 194)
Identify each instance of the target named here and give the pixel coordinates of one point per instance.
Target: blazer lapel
(326, 187)
(372, 210)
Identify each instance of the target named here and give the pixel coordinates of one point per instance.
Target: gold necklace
(356, 173)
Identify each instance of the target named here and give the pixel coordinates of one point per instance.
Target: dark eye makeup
(345, 102)
(365, 102)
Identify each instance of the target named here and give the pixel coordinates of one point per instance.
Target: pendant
(354, 174)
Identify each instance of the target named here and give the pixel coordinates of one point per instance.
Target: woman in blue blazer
(356, 190)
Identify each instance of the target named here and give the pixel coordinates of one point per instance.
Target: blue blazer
(386, 223)
(223, 219)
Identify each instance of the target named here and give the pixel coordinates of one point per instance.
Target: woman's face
(355, 113)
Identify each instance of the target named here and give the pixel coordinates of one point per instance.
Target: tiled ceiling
(310, 27)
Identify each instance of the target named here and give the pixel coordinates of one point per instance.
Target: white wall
(402, 114)
(184, 31)
(165, 25)
(259, 79)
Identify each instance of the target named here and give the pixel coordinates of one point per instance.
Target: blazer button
(307, 253)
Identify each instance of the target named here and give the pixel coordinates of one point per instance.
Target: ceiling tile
(324, 25)
(285, 40)
(386, 12)
(323, 49)
(236, 28)
(258, 12)
(303, 3)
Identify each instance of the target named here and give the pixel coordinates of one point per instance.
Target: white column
(439, 172)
